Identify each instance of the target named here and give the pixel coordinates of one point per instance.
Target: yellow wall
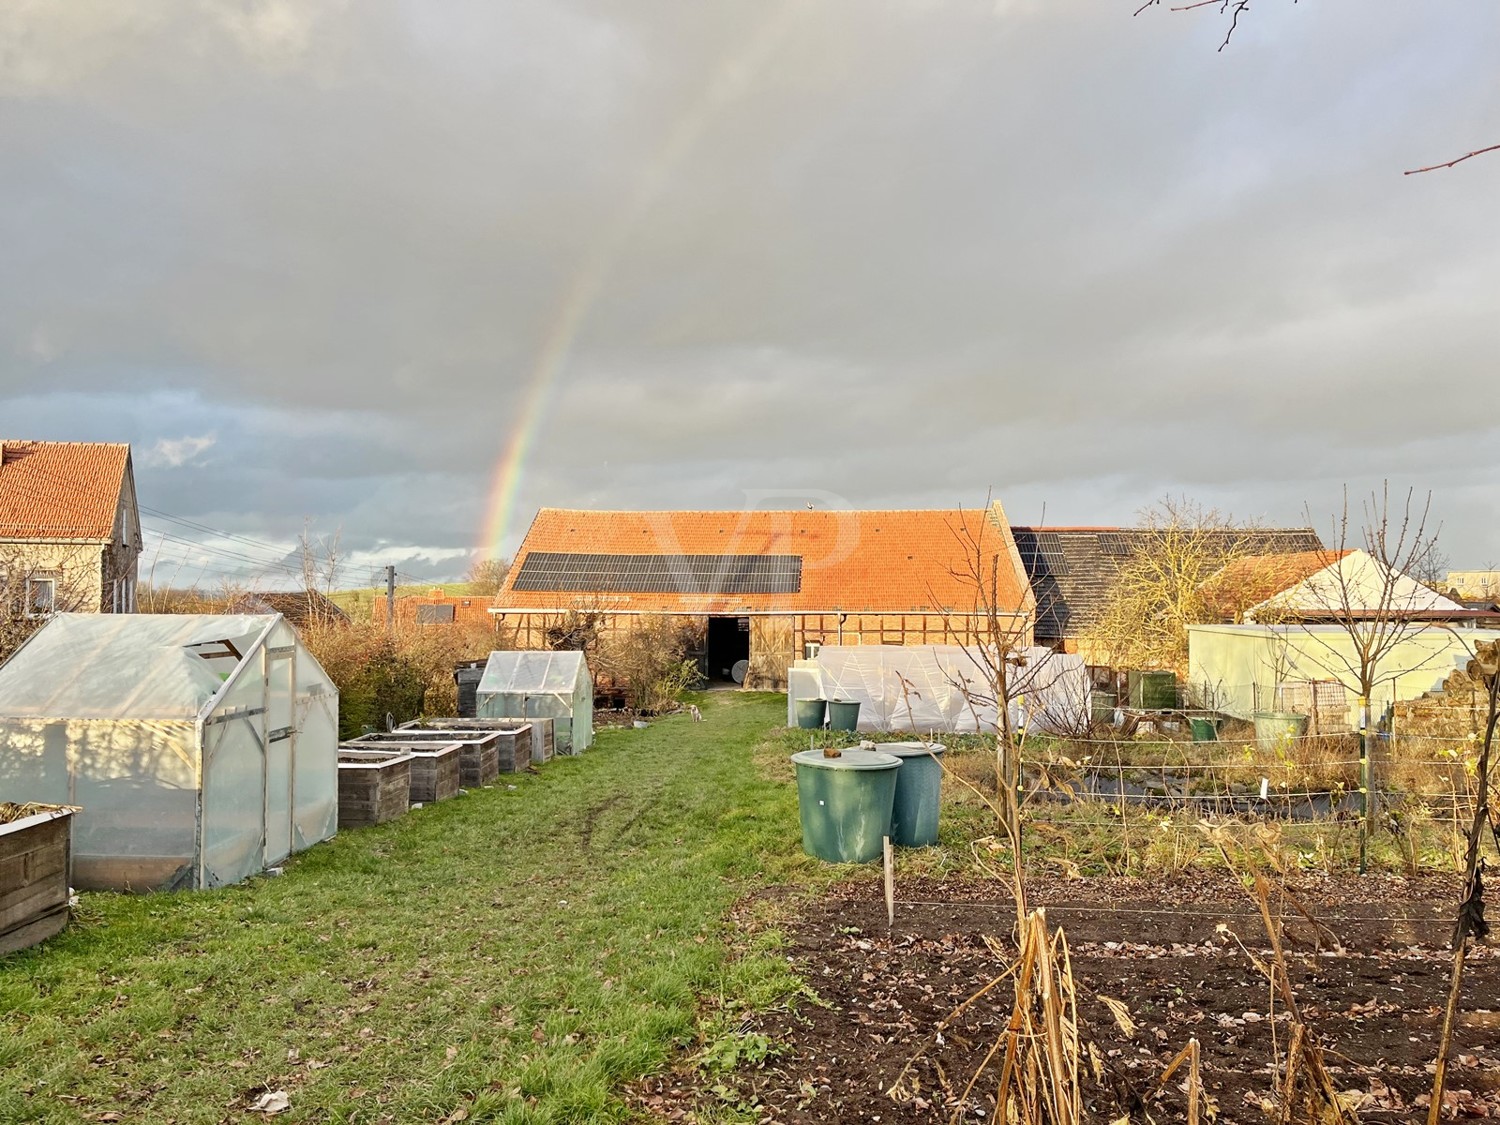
(1236, 666)
(77, 568)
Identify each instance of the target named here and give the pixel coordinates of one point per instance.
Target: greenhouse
(532, 685)
(931, 688)
(201, 749)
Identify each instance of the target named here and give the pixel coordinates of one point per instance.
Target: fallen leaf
(272, 1101)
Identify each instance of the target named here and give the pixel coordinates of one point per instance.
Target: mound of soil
(1179, 955)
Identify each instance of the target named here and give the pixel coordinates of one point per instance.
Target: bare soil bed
(1177, 954)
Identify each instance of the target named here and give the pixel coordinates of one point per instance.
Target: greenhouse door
(280, 746)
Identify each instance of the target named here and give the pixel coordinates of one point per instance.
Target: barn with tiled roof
(761, 585)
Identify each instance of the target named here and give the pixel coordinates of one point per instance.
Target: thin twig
(1451, 163)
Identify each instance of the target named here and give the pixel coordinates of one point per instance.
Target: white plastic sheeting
(926, 688)
(555, 685)
(201, 748)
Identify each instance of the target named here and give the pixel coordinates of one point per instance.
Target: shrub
(405, 672)
(650, 661)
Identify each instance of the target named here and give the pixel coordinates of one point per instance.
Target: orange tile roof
(873, 561)
(60, 490)
(1248, 581)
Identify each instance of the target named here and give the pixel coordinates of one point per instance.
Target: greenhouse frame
(531, 685)
(200, 748)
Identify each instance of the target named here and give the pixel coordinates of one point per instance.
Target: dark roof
(1072, 569)
(297, 606)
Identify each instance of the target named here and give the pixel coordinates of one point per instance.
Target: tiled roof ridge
(1035, 527)
(747, 511)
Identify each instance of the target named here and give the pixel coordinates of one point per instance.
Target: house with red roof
(759, 587)
(70, 530)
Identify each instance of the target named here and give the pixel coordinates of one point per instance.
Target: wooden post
(890, 884)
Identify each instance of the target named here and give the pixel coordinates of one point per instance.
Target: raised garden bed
(434, 767)
(374, 786)
(542, 734)
(35, 864)
(479, 755)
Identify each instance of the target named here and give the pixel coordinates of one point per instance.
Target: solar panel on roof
(660, 574)
(1117, 545)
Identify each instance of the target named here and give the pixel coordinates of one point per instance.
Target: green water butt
(845, 803)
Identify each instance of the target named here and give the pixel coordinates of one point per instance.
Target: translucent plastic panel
(279, 695)
(534, 673)
(135, 783)
(943, 688)
(315, 768)
(583, 715)
(279, 800)
(234, 791)
(129, 666)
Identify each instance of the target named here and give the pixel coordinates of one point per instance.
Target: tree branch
(1451, 163)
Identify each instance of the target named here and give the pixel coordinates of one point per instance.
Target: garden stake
(890, 884)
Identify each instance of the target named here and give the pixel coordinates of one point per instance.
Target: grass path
(514, 955)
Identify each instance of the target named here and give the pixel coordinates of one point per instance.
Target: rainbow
(730, 80)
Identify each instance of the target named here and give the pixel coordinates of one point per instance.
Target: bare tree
(1378, 608)
(1374, 608)
(995, 629)
(320, 559)
(487, 576)
(1160, 589)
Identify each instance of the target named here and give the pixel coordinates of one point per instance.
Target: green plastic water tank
(845, 803)
(919, 792)
(810, 713)
(843, 714)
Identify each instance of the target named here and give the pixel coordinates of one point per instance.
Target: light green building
(1241, 669)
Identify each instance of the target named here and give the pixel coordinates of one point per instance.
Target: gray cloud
(898, 252)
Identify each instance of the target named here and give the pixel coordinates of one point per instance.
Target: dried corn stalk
(1038, 1050)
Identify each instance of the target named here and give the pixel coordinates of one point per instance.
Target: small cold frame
(660, 574)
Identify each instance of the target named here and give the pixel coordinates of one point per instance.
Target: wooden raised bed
(479, 754)
(434, 767)
(541, 731)
(35, 865)
(374, 786)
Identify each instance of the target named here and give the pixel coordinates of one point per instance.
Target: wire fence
(1394, 800)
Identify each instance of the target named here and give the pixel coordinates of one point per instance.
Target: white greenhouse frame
(530, 685)
(200, 748)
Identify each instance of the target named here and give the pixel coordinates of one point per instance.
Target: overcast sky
(317, 261)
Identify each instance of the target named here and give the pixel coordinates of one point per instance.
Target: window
(41, 596)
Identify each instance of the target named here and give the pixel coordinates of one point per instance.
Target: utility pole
(390, 598)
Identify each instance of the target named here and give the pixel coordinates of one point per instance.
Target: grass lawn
(513, 955)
